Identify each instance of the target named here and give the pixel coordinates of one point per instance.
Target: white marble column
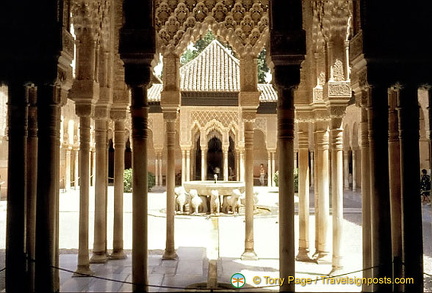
(286, 115)
(237, 165)
(183, 170)
(412, 238)
(139, 111)
(242, 165)
(203, 162)
(354, 169)
(188, 164)
(249, 252)
(31, 186)
(225, 162)
(337, 185)
(170, 120)
(303, 192)
(119, 166)
(346, 169)
(379, 183)
(366, 191)
(157, 183)
(83, 246)
(269, 169)
(68, 168)
(93, 166)
(322, 211)
(312, 169)
(395, 185)
(100, 255)
(76, 168)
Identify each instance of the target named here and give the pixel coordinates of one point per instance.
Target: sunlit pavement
(193, 238)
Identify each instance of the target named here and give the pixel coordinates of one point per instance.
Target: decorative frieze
(339, 89)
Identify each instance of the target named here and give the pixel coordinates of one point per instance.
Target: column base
(99, 257)
(118, 255)
(249, 255)
(303, 255)
(83, 271)
(322, 257)
(170, 255)
(336, 270)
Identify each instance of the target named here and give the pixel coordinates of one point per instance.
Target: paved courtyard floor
(195, 236)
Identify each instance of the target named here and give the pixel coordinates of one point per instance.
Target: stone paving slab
(192, 242)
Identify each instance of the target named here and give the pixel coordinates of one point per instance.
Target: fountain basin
(205, 187)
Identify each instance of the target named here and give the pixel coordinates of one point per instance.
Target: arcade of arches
(349, 78)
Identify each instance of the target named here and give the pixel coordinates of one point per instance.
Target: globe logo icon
(238, 280)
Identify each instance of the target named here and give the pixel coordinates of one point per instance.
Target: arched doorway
(214, 158)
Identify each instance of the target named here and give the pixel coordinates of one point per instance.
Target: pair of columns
(323, 137)
(100, 252)
(34, 130)
(390, 177)
(271, 167)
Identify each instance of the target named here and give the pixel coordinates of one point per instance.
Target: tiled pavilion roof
(214, 70)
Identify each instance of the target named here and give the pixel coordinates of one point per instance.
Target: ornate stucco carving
(244, 25)
(261, 123)
(89, 16)
(225, 117)
(338, 71)
(318, 94)
(339, 89)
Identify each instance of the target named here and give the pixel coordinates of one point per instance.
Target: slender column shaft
(93, 167)
(203, 163)
(76, 168)
(303, 192)
(67, 169)
(316, 189)
(139, 111)
(170, 252)
(380, 203)
(16, 192)
(183, 170)
(157, 183)
(249, 252)
(225, 164)
(395, 186)
(83, 246)
(119, 166)
(237, 164)
(322, 216)
(269, 169)
(411, 205)
(273, 167)
(31, 196)
(47, 278)
(366, 204)
(354, 169)
(337, 191)
(346, 169)
(188, 165)
(100, 225)
(242, 165)
(312, 173)
(286, 187)
(160, 170)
